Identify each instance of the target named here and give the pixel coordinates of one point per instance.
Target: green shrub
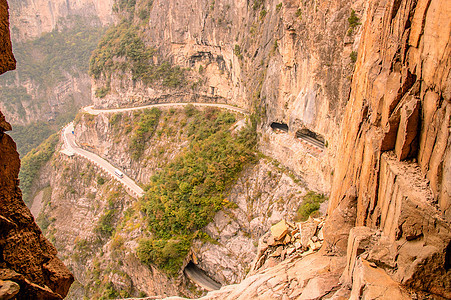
(100, 180)
(310, 204)
(102, 92)
(144, 129)
(353, 21)
(237, 51)
(32, 163)
(168, 254)
(186, 194)
(299, 14)
(353, 56)
(279, 7)
(257, 4)
(123, 41)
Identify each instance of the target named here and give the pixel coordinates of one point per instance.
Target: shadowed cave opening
(279, 127)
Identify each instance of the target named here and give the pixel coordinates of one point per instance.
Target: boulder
(369, 282)
(279, 230)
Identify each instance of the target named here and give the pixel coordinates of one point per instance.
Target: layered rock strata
(396, 145)
(29, 268)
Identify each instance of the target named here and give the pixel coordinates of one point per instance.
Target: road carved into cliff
(71, 145)
(201, 278)
(131, 186)
(192, 271)
(93, 111)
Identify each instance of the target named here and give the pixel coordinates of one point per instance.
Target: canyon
(350, 99)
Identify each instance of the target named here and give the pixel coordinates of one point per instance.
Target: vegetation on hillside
(32, 163)
(183, 197)
(310, 206)
(46, 59)
(144, 129)
(122, 49)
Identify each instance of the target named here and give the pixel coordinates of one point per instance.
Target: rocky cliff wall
(30, 19)
(395, 151)
(290, 62)
(7, 61)
(29, 268)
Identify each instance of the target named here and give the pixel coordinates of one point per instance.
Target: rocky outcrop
(29, 268)
(395, 150)
(290, 60)
(7, 61)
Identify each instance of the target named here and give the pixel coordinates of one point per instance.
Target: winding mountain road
(130, 185)
(91, 110)
(71, 145)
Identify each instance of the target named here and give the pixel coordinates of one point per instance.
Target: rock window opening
(279, 127)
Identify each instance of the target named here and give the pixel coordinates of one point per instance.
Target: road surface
(199, 277)
(71, 145)
(91, 110)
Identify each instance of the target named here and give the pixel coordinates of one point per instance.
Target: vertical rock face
(7, 61)
(30, 19)
(26, 257)
(396, 145)
(294, 57)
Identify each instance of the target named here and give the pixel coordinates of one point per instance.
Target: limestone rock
(279, 230)
(374, 283)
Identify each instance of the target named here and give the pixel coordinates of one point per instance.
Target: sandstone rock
(308, 230)
(339, 223)
(360, 240)
(396, 83)
(407, 137)
(318, 287)
(279, 230)
(287, 239)
(8, 289)
(277, 253)
(291, 250)
(298, 245)
(373, 283)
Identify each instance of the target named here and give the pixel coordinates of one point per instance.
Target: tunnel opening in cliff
(200, 277)
(279, 127)
(311, 137)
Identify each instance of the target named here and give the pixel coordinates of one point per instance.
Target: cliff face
(396, 151)
(72, 212)
(30, 19)
(7, 61)
(293, 61)
(29, 268)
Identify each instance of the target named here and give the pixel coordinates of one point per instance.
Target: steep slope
(292, 63)
(31, 19)
(107, 226)
(52, 42)
(396, 139)
(29, 267)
